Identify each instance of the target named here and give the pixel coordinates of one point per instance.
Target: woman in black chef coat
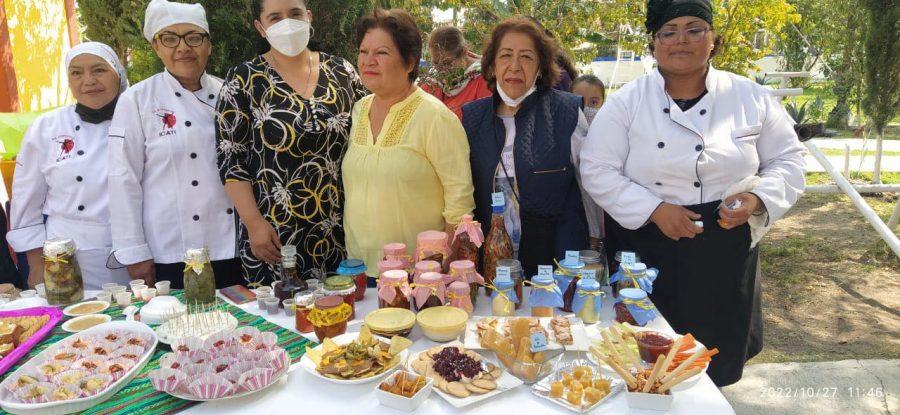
(693, 164)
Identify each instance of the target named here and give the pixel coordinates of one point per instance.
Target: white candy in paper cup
(28, 377)
(218, 341)
(132, 353)
(116, 368)
(237, 369)
(244, 335)
(91, 364)
(101, 350)
(167, 380)
(102, 381)
(279, 359)
(71, 377)
(69, 392)
(36, 393)
(138, 339)
(67, 354)
(221, 364)
(258, 356)
(211, 387)
(187, 345)
(265, 341)
(116, 336)
(256, 379)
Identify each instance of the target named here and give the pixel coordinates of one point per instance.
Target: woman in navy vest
(524, 142)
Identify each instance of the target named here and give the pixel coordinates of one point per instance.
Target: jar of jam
(635, 275)
(569, 273)
(458, 296)
(390, 265)
(356, 269)
(464, 271)
(423, 267)
(596, 260)
(635, 307)
(433, 246)
(329, 316)
(344, 287)
(545, 296)
(394, 290)
(429, 291)
(397, 251)
(517, 276)
(62, 274)
(304, 302)
(618, 260)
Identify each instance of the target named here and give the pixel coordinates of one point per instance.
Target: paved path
(851, 387)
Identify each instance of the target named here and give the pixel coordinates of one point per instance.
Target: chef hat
(161, 14)
(104, 52)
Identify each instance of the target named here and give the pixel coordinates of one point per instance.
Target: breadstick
(613, 353)
(654, 374)
(672, 353)
(632, 355)
(629, 379)
(684, 376)
(673, 374)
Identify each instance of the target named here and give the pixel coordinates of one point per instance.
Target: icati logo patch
(66, 145)
(167, 117)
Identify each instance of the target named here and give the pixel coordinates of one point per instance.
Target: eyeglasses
(171, 40)
(694, 34)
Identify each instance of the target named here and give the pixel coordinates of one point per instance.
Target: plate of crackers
(562, 332)
(22, 330)
(355, 358)
(461, 376)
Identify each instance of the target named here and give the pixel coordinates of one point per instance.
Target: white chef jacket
(642, 149)
(165, 191)
(61, 173)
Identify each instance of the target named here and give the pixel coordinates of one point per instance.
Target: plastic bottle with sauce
(304, 301)
(588, 299)
(545, 295)
(458, 296)
(467, 240)
(397, 251)
(429, 291)
(63, 281)
(433, 246)
(503, 299)
(596, 260)
(290, 282)
(423, 267)
(394, 290)
(344, 287)
(568, 275)
(355, 269)
(329, 317)
(464, 270)
(516, 274)
(199, 279)
(498, 244)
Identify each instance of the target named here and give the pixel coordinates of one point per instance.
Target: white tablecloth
(304, 393)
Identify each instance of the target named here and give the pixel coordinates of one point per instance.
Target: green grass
(824, 91)
(813, 178)
(869, 153)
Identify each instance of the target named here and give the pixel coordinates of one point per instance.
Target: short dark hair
(401, 26)
(449, 40)
(545, 47)
(591, 80)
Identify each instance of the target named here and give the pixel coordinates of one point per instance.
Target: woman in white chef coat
(668, 155)
(166, 196)
(61, 170)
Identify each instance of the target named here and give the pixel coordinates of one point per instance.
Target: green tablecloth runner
(138, 396)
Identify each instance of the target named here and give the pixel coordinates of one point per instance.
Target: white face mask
(515, 102)
(289, 36)
(590, 113)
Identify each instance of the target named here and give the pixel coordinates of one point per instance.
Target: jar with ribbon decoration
(329, 317)
(545, 296)
(303, 302)
(423, 267)
(199, 279)
(617, 260)
(390, 265)
(429, 291)
(342, 286)
(355, 269)
(397, 251)
(588, 300)
(634, 307)
(635, 275)
(464, 271)
(516, 274)
(567, 275)
(467, 239)
(393, 289)
(503, 297)
(62, 273)
(433, 246)
(458, 296)
(596, 260)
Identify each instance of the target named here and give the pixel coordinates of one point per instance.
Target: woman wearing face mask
(524, 142)
(282, 129)
(61, 170)
(592, 91)
(693, 164)
(455, 76)
(165, 193)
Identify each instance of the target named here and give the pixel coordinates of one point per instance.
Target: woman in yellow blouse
(407, 168)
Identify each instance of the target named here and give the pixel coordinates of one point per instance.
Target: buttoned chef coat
(165, 193)
(61, 173)
(642, 149)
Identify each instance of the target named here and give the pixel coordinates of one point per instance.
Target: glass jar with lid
(397, 251)
(394, 290)
(429, 291)
(329, 317)
(199, 279)
(596, 260)
(635, 275)
(344, 287)
(458, 296)
(635, 307)
(63, 282)
(503, 298)
(433, 246)
(464, 270)
(516, 274)
(545, 296)
(423, 267)
(304, 302)
(567, 276)
(588, 300)
(355, 269)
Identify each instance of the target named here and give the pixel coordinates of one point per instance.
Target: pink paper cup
(256, 379)
(167, 380)
(211, 387)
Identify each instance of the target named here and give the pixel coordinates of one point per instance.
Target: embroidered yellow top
(412, 178)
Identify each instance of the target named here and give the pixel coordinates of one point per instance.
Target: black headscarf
(659, 12)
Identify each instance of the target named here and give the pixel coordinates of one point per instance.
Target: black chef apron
(707, 286)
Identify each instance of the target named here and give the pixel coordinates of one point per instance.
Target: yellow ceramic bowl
(388, 322)
(442, 324)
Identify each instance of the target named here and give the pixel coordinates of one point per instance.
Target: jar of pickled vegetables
(63, 282)
(344, 287)
(429, 291)
(433, 246)
(329, 317)
(394, 290)
(199, 280)
(355, 269)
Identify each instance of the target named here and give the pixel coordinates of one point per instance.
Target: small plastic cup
(105, 296)
(272, 305)
(135, 282)
(288, 307)
(123, 299)
(261, 300)
(314, 284)
(265, 291)
(41, 290)
(28, 293)
(162, 287)
(138, 289)
(148, 293)
(108, 287)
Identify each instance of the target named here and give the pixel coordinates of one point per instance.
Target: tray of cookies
(21, 330)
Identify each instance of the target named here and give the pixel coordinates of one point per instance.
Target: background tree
(741, 22)
(882, 94)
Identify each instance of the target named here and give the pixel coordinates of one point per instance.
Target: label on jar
(498, 199)
(538, 342)
(628, 258)
(572, 257)
(545, 271)
(589, 274)
(503, 274)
